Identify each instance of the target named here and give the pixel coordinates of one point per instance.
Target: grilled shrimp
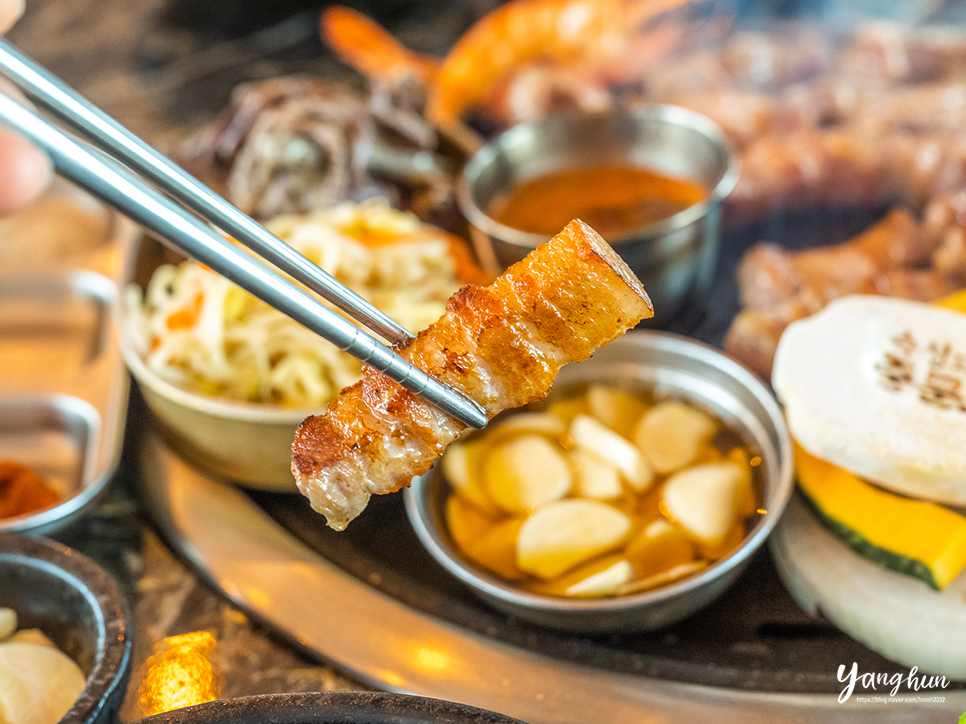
(605, 39)
(606, 35)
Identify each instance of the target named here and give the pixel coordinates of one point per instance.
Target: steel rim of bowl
(649, 111)
(418, 506)
(99, 590)
(331, 707)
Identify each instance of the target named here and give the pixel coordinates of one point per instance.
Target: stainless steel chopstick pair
(111, 178)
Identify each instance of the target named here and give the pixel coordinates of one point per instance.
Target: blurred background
(162, 65)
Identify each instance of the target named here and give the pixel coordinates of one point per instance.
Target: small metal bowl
(673, 365)
(674, 258)
(246, 442)
(63, 386)
(79, 607)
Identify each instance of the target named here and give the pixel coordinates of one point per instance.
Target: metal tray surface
(373, 601)
(461, 651)
(63, 385)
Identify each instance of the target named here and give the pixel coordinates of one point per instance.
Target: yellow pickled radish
(639, 585)
(568, 408)
(541, 423)
(462, 467)
(465, 521)
(648, 507)
(595, 438)
(703, 500)
(600, 577)
(747, 499)
(565, 533)
(497, 549)
(595, 478)
(731, 541)
(672, 434)
(659, 547)
(617, 409)
(526, 472)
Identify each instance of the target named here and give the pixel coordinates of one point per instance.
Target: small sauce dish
(676, 368)
(670, 242)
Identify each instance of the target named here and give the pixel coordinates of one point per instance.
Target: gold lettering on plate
(941, 385)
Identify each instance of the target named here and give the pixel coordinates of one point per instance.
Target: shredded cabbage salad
(201, 332)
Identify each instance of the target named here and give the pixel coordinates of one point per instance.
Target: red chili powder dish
(22, 490)
(614, 200)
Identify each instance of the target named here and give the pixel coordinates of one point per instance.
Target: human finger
(10, 12)
(25, 171)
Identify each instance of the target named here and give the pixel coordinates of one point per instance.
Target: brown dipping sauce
(22, 490)
(614, 200)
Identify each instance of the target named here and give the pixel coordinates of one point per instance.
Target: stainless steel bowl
(63, 386)
(673, 365)
(246, 442)
(675, 258)
(80, 608)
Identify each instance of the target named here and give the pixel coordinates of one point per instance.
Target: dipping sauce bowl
(674, 257)
(678, 368)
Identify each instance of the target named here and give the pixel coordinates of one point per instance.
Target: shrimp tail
(369, 48)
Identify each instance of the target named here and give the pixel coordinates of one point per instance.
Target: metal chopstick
(118, 187)
(104, 132)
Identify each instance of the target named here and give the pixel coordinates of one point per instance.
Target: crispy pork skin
(502, 345)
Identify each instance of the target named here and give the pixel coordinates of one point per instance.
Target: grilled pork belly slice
(502, 345)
